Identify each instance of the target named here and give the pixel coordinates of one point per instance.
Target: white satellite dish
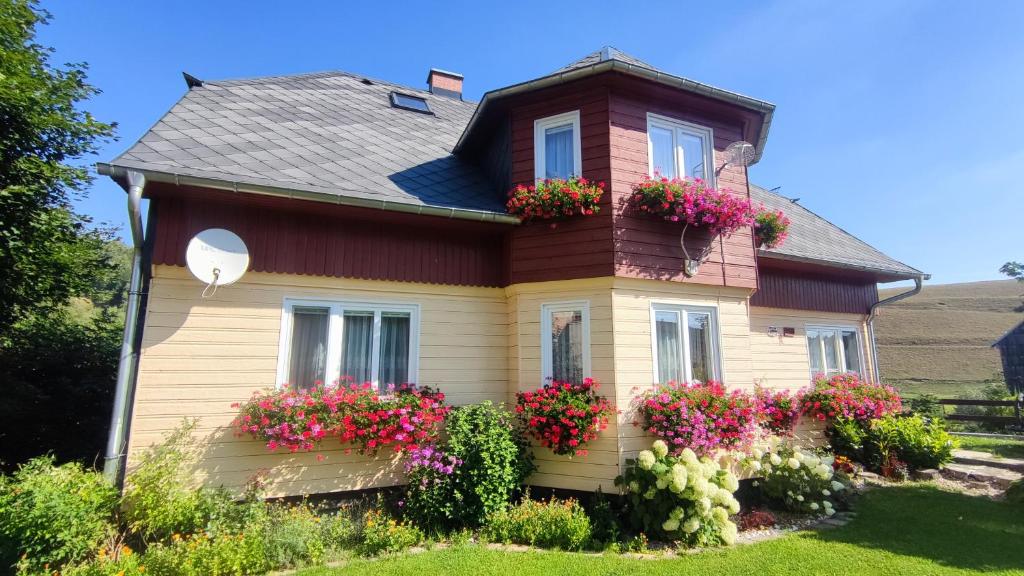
(217, 257)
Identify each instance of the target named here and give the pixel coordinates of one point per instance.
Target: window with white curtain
(324, 341)
(677, 149)
(565, 341)
(684, 341)
(556, 146)
(834, 350)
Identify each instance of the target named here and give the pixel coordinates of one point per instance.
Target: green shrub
(383, 534)
(994, 391)
(926, 405)
(53, 515)
(680, 497)
(295, 537)
(204, 555)
(494, 458)
(919, 442)
(604, 521)
(159, 500)
(553, 524)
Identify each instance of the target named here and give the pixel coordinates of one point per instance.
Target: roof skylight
(408, 102)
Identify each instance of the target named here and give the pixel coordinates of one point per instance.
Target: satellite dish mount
(217, 257)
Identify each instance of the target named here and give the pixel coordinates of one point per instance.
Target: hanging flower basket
(555, 199)
(770, 228)
(692, 203)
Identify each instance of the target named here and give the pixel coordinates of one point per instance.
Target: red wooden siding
(649, 248)
(579, 247)
(823, 292)
(296, 237)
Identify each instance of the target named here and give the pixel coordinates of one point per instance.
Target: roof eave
(118, 172)
(884, 275)
(766, 109)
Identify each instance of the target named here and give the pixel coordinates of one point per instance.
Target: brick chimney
(444, 83)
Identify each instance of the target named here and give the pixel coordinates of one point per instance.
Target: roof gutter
(116, 454)
(918, 285)
(117, 172)
(765, 108)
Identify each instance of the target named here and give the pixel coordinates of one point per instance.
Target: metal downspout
(918, 284)
(113, 461)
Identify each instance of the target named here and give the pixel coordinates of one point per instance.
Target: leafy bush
(995, 391)
(402, 418)
(384, 534)
(755, 519)
(799, 480)
(121, 560)
(159, 500)
(555, 198)
(553, 524)
(205, 555)
(430, 497)
(564, 416)
(295, 536)
(918, 442)
(847, 396)
(912, 440)
(53, 515)
(701, 417)
(682, 497)
(778, 411)
(604, 521)
(927, 406)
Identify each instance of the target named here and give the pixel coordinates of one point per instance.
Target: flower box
(563, 416)
(555, 199)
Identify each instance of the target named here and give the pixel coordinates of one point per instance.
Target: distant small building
(1011, 349)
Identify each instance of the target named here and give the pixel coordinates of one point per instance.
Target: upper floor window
(678, 149)
(323, 341)
(556, 146)
(565, 341)
(833, 350)
(685, 343)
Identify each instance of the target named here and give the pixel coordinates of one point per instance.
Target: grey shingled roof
(603, 55)
(815, 239)
(322, 133)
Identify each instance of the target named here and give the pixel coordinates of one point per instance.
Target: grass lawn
(906, 530)
(997, 446)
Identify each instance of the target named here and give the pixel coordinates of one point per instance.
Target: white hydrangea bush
(799, 479)
(683, 497)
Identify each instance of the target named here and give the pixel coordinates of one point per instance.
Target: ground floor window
(565, 341)
(323, 341)
(684, 340)
(834, 350)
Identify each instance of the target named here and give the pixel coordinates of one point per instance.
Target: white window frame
(539, 142)
(707, 136)
(682, 310)
(335, 336)
(546, 317)
(841, 353)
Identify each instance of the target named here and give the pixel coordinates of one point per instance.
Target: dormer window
(678, 149)
(556, 146)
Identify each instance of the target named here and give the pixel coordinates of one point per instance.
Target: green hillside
(940, 340)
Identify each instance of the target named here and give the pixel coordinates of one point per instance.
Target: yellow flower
(121, 573)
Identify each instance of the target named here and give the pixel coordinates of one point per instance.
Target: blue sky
(901, 122)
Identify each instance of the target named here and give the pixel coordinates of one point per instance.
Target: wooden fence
(1015, 421)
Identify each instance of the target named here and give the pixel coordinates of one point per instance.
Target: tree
(61, 281)
(1013, 270)
(47, 252)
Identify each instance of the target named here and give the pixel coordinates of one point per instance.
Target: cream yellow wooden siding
(782, 361)
(634, 357)
(201, 355)
(600, 466)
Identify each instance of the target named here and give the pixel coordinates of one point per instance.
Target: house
(380, 248)
(1011, 350)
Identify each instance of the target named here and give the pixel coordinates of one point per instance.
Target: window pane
(662, 153)
(307, 363)
(669, 352)
(558, 152)
(693, 155)
(357, 346)
(699, 325)
(394, 348)
(831, 352)
(852, 351)
(567, 346)
(814, 350)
